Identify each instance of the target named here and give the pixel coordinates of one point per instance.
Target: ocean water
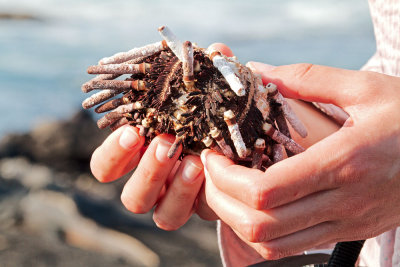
(43, 61)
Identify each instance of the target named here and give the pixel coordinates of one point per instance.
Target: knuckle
(183, 196)
(166, 225)
(262, 198)
(372, 86)
(97, 172)
(105, 167)
(348, 207)
(347, 172)
(303, 70)
(264, 253)
(150, 175)
(101, 175)
(134, 206)
(144, 172)
(252, 231)
(359, 206)
(272, 252)
(350, 173)
(257, 197)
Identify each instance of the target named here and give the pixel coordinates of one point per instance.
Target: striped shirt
(384, 250)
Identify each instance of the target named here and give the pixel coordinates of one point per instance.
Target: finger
(117, 155)
(203, 209)
(237, 181)
(260, 226)
(171, 175)
(132, 163)
(312, 82)
(176, 206)
(143, 188)
(294, 243)
(285, 181)
(223, 48)
(260, 68)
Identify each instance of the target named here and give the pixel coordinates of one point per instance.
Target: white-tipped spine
(278, 153)
(121, 122)
(88, 86)
(217, 136)
(292, 118)
(335, 112)
(208, 141)
(119, 69)
(280, 138)
(172, 41)
(259, 147)
(100, 97)
(143, 51)
(236, 136)
(226, 70)
(261, 99)
(127, 108)
(187, 65)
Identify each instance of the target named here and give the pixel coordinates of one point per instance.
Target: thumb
(223, 48)
(311, 82)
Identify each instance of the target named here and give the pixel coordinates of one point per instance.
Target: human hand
(345, 187)
(158, 180)
(174, 186)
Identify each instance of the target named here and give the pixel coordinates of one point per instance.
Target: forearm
(318, 124)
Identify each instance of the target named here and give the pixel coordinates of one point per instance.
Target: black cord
(345, 254)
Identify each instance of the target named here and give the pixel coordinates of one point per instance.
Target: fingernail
(259, 67)
(190, 171)
(162, 150)
(129, 139)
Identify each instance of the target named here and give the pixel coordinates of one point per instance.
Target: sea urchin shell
(202, 97)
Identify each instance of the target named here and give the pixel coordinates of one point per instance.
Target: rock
(29, 175)
(65, 145)
(13, 145)
(91, 187)
(47, 211)
(68, 144)
(30, 249)
(3, 243)
(20, 16)
(107, 241)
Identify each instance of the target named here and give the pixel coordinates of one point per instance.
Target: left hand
(345, 187)
(172, 186)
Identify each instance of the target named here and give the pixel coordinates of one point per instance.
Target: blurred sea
(43, 61)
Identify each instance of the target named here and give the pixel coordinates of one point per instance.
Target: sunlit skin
(345, 186)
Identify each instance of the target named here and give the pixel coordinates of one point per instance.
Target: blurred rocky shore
(54, 213)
